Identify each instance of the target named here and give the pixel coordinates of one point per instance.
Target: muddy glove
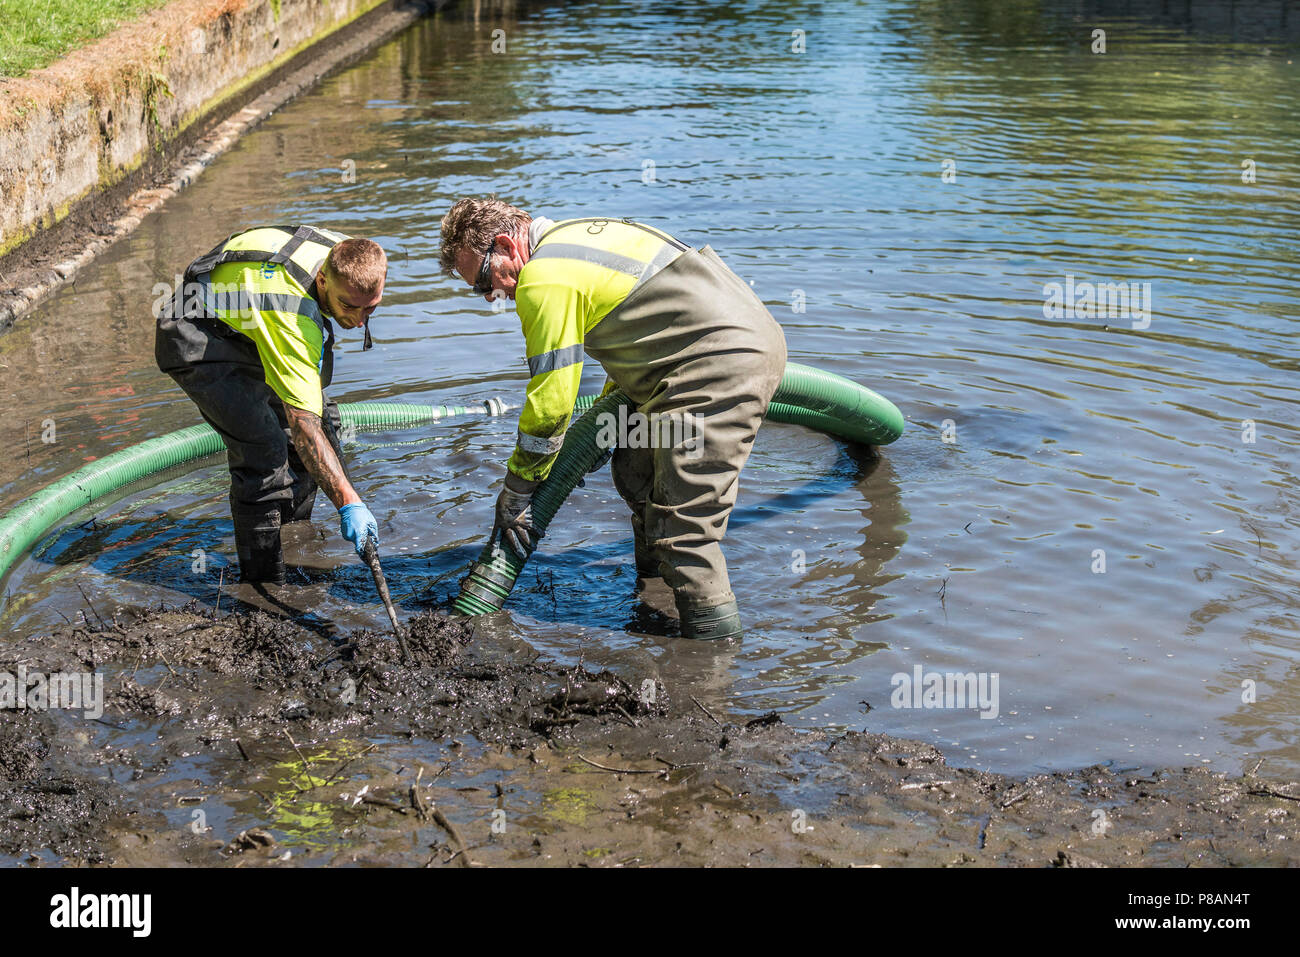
(514, 518)
(356, 524)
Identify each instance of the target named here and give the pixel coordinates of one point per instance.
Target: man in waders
(681, 334)
(247, 335)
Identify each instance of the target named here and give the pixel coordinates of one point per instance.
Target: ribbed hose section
(23, 526)
(30, 519)
(806, 396)
(492, 577)
(379, 416)
(833, 404)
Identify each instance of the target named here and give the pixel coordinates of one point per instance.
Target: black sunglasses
(483, 283)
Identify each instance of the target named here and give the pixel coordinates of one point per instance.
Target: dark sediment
(249, 740)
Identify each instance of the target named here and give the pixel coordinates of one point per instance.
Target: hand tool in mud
(371, 555)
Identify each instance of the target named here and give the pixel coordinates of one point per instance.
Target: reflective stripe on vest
(540, 445)
(249, 301)
(563, 241)
(248, 305)
(574, 248)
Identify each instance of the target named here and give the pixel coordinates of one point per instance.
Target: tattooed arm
(314, 448)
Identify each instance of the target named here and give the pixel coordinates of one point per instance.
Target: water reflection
(1034, 443)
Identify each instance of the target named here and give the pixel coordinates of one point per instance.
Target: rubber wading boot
(711, 622)
(257, 543)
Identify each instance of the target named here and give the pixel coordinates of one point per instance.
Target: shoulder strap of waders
(201, 268)
(298, 235)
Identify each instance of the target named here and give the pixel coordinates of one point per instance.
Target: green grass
(35, 33)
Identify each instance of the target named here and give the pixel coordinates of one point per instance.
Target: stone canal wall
(92, 143)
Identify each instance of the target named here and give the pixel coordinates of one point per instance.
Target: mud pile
(251, 740)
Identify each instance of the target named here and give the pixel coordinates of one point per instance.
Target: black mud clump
(48, 812)
(255, 674)
(270, 716)
(23, 746)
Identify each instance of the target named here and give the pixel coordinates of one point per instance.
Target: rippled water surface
(1040, 450)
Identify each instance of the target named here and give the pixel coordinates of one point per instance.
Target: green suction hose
(23, 526)
(810, 397)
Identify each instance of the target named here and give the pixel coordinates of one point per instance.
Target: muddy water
(818, 175)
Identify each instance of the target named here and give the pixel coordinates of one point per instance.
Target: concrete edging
(77, 132)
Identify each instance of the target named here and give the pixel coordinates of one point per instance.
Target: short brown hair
(472, 224)
(360, 263)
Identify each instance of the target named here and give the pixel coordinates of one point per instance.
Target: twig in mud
(1273, 792)
(90, 606)
(168, 664)
(296, 748)
(417, 799)
(221, 580)
(239, 744)
(445, 823)
(347, 762)
(1251, 772)
(383, 802)
(674, 767)
(706, 711)
(604, 767)
(1016, 798)
(724, 789)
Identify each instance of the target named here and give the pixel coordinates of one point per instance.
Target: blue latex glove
(356, 524)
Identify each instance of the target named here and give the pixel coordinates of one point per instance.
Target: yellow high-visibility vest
(259, 282)
(579, 272)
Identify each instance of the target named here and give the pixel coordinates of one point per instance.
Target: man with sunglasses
(680, 333)
(247, 334)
